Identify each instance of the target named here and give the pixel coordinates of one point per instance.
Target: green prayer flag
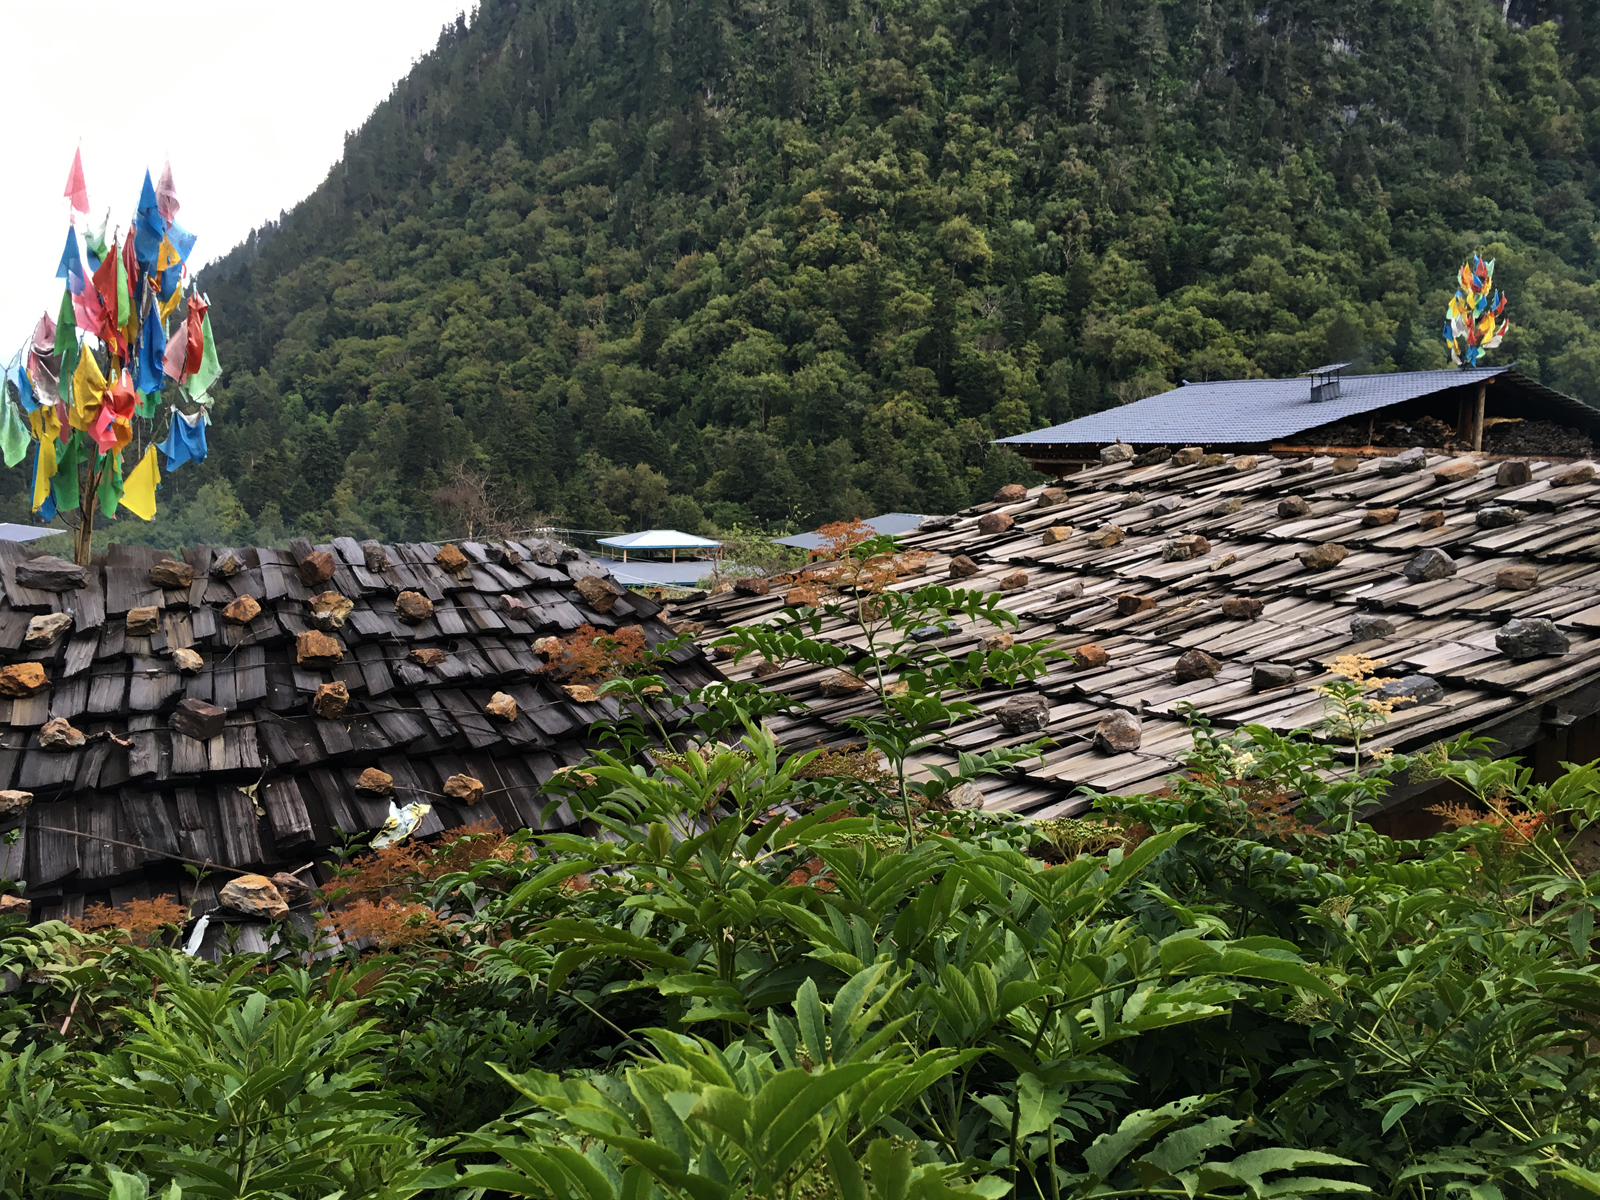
(66, 328)
(148, 403)
(202, 379)
(109, 493)
(14, 434)
(124, 312)
(64, 486)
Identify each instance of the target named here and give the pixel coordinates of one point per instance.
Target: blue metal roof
(894, 524)
(1248, 411)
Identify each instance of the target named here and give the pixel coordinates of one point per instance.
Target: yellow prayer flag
(139, 489)
(46, 471)
(166, 306)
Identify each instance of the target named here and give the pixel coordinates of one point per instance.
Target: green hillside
(737, 262)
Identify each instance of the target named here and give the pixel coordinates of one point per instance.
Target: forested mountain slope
(735, 260)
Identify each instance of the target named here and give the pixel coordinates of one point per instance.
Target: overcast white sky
(250, 99)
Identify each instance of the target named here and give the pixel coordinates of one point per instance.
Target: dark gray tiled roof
(1254, 411)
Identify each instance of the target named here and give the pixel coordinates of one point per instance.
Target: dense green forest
(727, 262)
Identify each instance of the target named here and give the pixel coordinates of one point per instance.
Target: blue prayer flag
(186, 440)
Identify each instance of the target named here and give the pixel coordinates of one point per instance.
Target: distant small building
(1494, 410)
(892, 524)
(658, 540)
(25, 533)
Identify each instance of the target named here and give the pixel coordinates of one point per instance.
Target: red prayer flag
(76, 191)
(196, 342)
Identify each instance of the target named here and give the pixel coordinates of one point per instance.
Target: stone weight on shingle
(171, 574)
(1024, 714)
(1375, 517)
(1367, 627)
(1417, 689)
(330, 610)
(241, 610)
(1265, 676)
(601, 593)
(1497, 517)
(1195, 664)
(313, 648)
(331, 700)
(995, 522)
(1518, 578)
(197, 719)
(1011, 493)
(375, 782)
(142, 621)
(413, 607)
(51, 574)
(1117, 452)
(451, 558)
(44, 629)
(1429, 564)
(1403, 464)
(1293, 506)
(316, 568)
(1531, 637)
(1514, 472)
(1456, 472)
(59, 735)
(23, 679)
(1088, 656)
(467, 789)
(1324, 557)
(1107, 535)
(1118, 733)
(962, 567)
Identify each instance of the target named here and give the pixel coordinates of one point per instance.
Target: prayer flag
(77, 191)
(71, 266)
(139, 489)
(167, 195)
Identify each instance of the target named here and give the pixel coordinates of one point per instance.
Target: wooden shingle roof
(1444, 628)
(112, 819)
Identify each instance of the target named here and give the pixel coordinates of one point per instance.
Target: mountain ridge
(720, 264)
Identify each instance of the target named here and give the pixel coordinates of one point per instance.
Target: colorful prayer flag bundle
(1472, 323)
(89, 384)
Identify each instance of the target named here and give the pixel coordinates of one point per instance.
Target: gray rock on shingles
(1265, 676)
(1118, 733)
(51, 574)
(1418, 689)
(1496, 516)
(1024, 714)
(1117, 452)
(1429, 564)
(1531, 637)
(1403, 464)
(1368, 627)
